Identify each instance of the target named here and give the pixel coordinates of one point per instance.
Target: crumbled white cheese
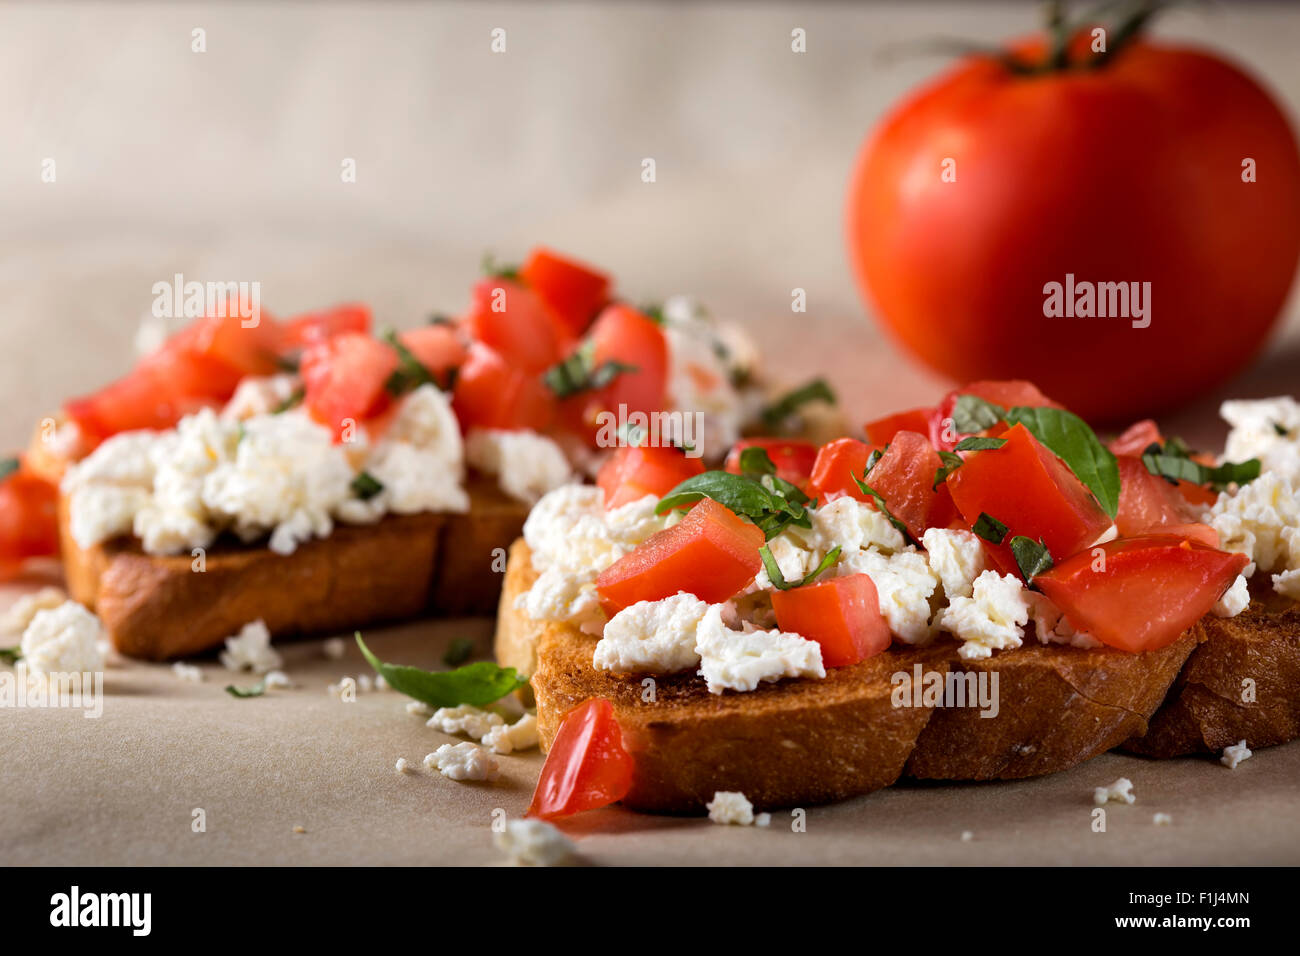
(1121, 791)
(652, 637)
(463, 761)
(762, 819)
(274, 679)
(792, 555)
(509, 738)
(741, 660)
(404, 766)
(527, 465)
(465, 719)
(334, 648)
(1162, 819)
(534, 843)
(1262, 521)
(101, 512)
(1234, 600)
(365, 684)
(21, 612)
(188, 672)
(956, 558)
(904, 583)
(1287, 583)
(1267, 429)
(700, 373)
(967, 836)
(991, 619)
(1051, 626)
(853, 525)
(260, 395)
(417, 708)
(62, 640)
(251, 649)
(1235, 754)
(347, 687)
(730, 807)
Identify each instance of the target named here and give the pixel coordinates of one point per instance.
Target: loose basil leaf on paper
(458, 652)
(978, 443)
(951, 462)
(479, 684)
(577, 373)
(778, 579)
(989, 528)
(1070, 439)
(365, 485)
(1031, 556)
(818, 390)
(11, 655)
(883, 508)
(257, 690)
(7, 467)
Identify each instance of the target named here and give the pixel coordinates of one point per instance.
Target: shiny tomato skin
(1026, 487)
(344, 379)
(1136, 439)
(1007, 394)
(312, 327)
(842, 615)
(574, 291)
(622, 334)
(512, 319)
(904, 476)
(634, 471)
(838, 462)
(1146, 501)
(956, 269)
(587, 766)
(710, 553)
(226, 341)
(794, 458)
(1148, 592)
(491, 393)
(28, 519)
(881, 431)
(439, 348)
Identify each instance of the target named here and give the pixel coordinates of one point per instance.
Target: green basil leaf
(1031, 556)
(989, 528)
(972, 414)
(875, 456)
(1239, 473)
(755, 462)
(439, 318)
(294, 400)
(257, 690)
(1070, 439)
(818, 390)
(458, 652)
(479, 684)
(494, 270)
(577, 373)
(883, 508)
(365, 485)
(410, 373)
(739, 494)
(8, 466)
(951, 462)
(778, 579)
(11, 655)
(1174, 468)
(977, 443)
(1280, 430)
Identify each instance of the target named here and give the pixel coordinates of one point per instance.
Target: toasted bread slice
(157, 607)
(1238, 685)
(809, 741)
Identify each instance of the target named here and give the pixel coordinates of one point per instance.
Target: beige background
(225, 165)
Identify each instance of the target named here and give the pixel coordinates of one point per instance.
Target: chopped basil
(294, 400)
(8, 466)
(875, 456)
(881, 506)
(770, 503)
(977, 443)
(11, 655)
(287, 363)
(951, 462)
(493, 270)
(410, 373)
(989, 528)
(778, 579)
(1175, 468)
(655, 311)
(257, 690)
(439, 319)
(365, 485)
(972, 414)
(1280, 429)
(1031, 556)
(577, 373)
(458, 652)
(478, 684)
(817, 390)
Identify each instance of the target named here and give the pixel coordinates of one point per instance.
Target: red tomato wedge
(838, 462)
(248, 350)
(1008, 394)
(842, 615)
(1026, 487)
(1136, 439)
(634, 471)
(512, 319)
(439, 348)
(622, 334)
(587, 766)
(1148, 591)
(492, 393)
(710, 553)
(312, 327)
(882, 430)
(574, 291)
(794, 458)
(1148, 502)
(904, 477)
(28, 519)
(344, 377)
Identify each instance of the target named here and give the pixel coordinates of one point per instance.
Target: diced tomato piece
(1145, 593)
(28, 519)
(1147, 502)
(574, 291)
(944, 513)
(882, 431)
(512, 319)
(710, 553)
(842, 615)
(492, 393)
(439, 348)
(1136, 439)
(1026, 487)
(634, 471)
(224, 339)
(312, 327)
(1197, 496)
(622, 334)
(904, 477)
(344, 379)
(587, 766)
(793, 457)
(1193, 531)
(1008, 394)
(838, 462)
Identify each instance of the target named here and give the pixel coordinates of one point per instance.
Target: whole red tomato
(1127, 168)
